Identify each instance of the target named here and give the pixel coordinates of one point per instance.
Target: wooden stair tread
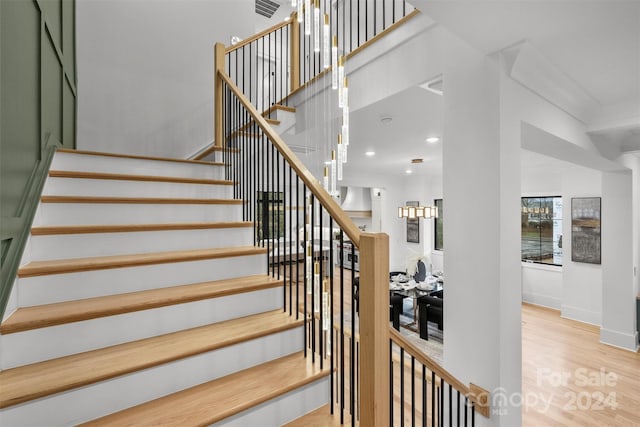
(221, 398)
(134, 156)
(41, 316)
(39, 268)
(275, 107)
(21, 384)
(272, 121)
(126, 228)
(130, 177)
(139, 200)
(321, 417)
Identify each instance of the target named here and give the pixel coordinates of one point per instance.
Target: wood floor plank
(42, 316)
(139, 200)
(29, 382)
(219, 399)
(130, 177)
(126, 228)
(39, 268)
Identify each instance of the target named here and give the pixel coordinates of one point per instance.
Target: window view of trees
(438, 241)
(541, 221)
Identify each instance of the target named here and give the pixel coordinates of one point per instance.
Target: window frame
(561, 219)
(436, 221)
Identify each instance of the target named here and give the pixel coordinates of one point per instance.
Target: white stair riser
(107, 213)
(96, 400)
(37, 290)
(123, 188)
(36, 345)
(283, 409)
(63, 246)
(108, 164)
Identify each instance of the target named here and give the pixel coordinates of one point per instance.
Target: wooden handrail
(476, 394)
(356, 51)
(347, 225)
(259, 35)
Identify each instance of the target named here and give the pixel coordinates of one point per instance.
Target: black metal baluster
(401, 366)
(393, 11)
(330, 302)
(450, 406)
(433, 399)
(353, 329)
(458, 409)
(473, 415)
(290, 230)
(320, 288)
(466, 407)
(391, 402)
(272, 227)
(277, 213)
(441, 401)
(298, 247)
(384, 14)
(413, 391)
(306, 269)
(424, 396)
(342, 326)
(313, 277)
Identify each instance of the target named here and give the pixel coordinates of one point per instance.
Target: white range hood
(357, 201)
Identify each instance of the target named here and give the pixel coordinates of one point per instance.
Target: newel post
(218, 111)
(374, 329)
(294, 52)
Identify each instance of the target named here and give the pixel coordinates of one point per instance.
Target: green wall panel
(20, 143)
(38, 111)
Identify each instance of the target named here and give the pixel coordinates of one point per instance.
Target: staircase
(145, 302)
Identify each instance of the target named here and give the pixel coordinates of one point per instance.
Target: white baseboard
(581, 315)
(618, 339)
(542, 300)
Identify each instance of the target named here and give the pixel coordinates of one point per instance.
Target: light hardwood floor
(601, 385)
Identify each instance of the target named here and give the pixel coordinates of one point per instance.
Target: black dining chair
(395, 303)
(430, 309)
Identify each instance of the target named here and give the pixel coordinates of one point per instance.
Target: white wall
(145, 79)
(582, 283)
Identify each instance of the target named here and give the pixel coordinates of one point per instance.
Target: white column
(481, 192)
(618, 289)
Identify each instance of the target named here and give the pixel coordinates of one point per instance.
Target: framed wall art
(585, 229)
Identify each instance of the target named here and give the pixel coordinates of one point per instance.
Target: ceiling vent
(266, 8)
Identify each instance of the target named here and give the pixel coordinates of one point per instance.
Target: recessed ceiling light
(408, 171)
(433, 139)
(386, 120)
(370, 153)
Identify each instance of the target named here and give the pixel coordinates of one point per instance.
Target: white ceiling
(594, 43)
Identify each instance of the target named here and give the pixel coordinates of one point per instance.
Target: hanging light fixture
(307, 17)
(300, 11)
(293, 3)
(334, 190)
(334, 61)
(316, 26)
(412, 212)
(325, 179)
(340, 160)
(340, 81)
(326, 34)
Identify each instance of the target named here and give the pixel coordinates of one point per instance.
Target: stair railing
(277, 62)
(313, 246)
(311, 242)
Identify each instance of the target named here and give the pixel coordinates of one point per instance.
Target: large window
(437, 225)
(541, 220)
